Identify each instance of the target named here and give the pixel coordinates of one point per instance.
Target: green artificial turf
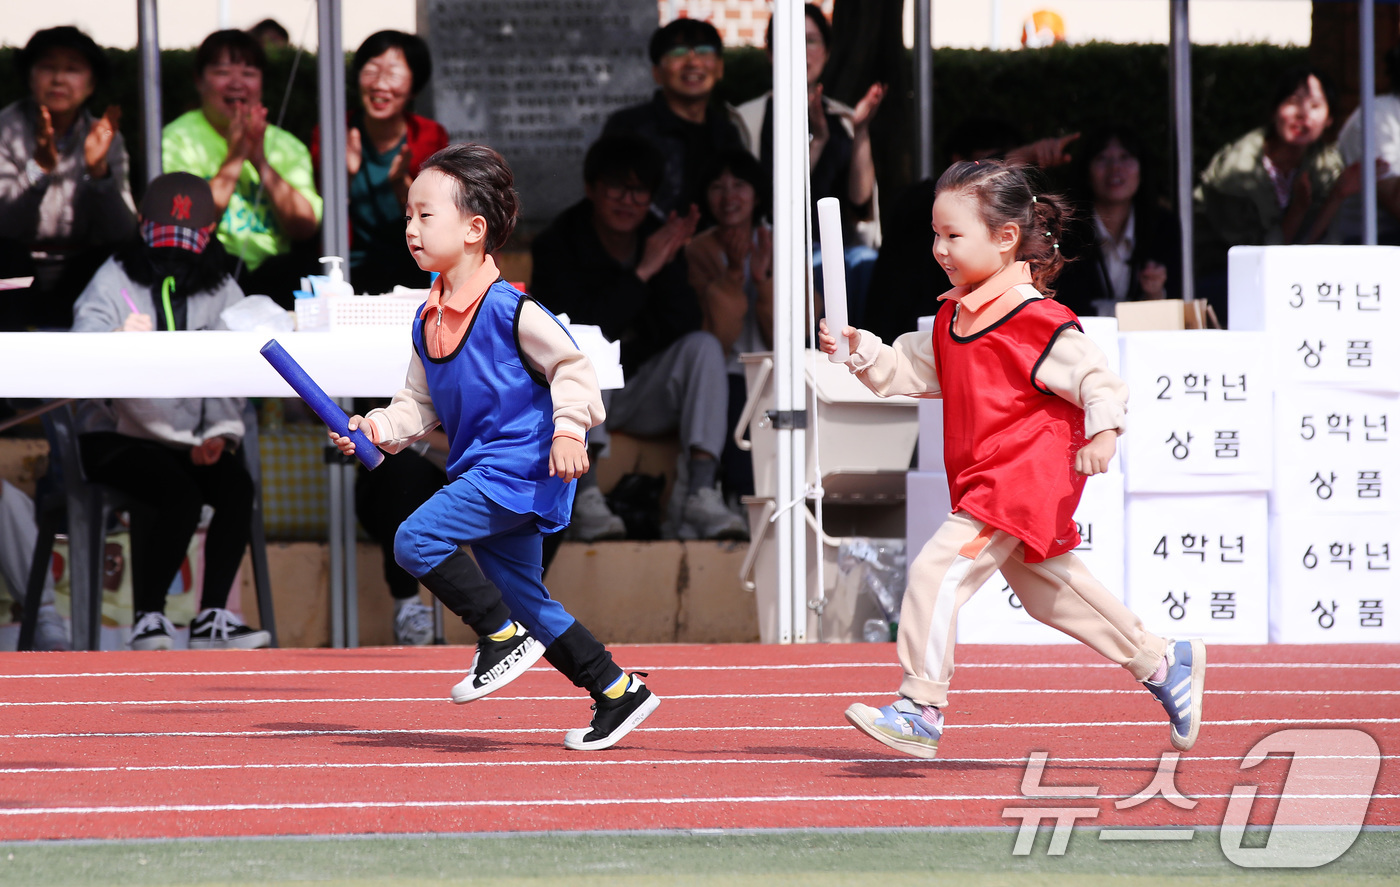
(722, 859)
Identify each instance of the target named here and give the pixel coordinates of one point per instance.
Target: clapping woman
(65, 202)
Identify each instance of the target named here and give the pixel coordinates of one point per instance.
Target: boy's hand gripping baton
(320, 402)
(834, 274)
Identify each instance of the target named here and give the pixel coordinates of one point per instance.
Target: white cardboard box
(1335, 579)
(1333, 312)
(1198, 565)
(993, 614)
(1200, 412)
(1338, 452)
(930, 421)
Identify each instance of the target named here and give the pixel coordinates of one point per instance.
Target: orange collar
(977, 298)
(463, 299)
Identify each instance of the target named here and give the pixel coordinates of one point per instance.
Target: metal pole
(923, 83)
(349, 529)
(149, 40)
(1366, 13)
(789, 280)
(994, 38)
(335, 241)
(335, 514)
(330, 66)
(1181, 120)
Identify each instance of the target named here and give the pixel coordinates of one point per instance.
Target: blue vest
(497, 412)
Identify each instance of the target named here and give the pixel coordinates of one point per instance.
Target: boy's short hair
(483, 186)
(616, 157)
(62, 37)
(240, 47)
(683, 32)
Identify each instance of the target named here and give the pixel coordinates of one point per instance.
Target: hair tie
(1057, 247)
(1033, 200)
(1047, 234)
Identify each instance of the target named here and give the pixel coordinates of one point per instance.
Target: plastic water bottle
(876, 631)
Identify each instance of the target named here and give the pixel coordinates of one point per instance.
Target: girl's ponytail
(1040, 245)
(1006, 193)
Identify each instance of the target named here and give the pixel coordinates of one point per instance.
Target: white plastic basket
(311, 314)
(389, 310)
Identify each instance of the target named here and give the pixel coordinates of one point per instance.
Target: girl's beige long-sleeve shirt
(1074, 368)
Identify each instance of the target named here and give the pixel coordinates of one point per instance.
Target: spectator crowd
(670, 253)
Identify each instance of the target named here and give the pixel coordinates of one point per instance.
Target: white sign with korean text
(1335, 579)
(1199, 412)
(1331, 311)
(930, 421)
(1336, 452)
(1198, 565)
(994, 615)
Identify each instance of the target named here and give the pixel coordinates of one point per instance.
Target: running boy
(1030, 409)
(516, 398)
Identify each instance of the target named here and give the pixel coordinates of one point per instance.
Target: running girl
(1030, 410)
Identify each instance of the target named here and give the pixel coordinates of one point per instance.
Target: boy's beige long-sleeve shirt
(1074, 369)
(573, 385)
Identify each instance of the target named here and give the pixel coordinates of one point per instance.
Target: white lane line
(1060, 764)
(533, 803)
(692, 697)
(511, 731)
(790, 666)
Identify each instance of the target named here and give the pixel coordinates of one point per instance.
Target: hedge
(1069, 88)
(1051, 91)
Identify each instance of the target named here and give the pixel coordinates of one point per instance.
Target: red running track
(297, 742)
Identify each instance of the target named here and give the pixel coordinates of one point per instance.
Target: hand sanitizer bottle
(337, 284)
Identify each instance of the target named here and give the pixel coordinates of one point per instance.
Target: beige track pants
(1060, 592)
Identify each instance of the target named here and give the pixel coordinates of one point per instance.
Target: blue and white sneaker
(1181, 691)
(901, 725)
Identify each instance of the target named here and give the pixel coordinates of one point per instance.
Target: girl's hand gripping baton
(320, 402)
(834, 274)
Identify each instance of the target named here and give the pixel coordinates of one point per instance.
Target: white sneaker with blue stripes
(1180, 692)
(903, 725)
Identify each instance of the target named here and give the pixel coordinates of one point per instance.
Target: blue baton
(320, 402)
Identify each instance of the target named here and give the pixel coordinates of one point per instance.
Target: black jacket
(574, 275)
(1157, 238)
(687, 148)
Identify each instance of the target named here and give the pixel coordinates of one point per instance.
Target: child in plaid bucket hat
(172, 456)
(178, 211)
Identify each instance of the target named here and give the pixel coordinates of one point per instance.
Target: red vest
(1008, 444)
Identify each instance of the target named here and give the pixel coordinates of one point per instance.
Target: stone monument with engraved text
(535, 79)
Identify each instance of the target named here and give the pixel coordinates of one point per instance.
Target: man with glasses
(680, 120)
(610, 262)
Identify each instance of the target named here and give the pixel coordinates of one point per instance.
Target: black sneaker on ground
(497, 663)
(218, 629)
(615, 718)
(152, 631)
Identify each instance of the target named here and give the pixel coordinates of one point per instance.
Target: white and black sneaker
(497, 663)
(615, 718)
(218, 629)
(152, 631)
